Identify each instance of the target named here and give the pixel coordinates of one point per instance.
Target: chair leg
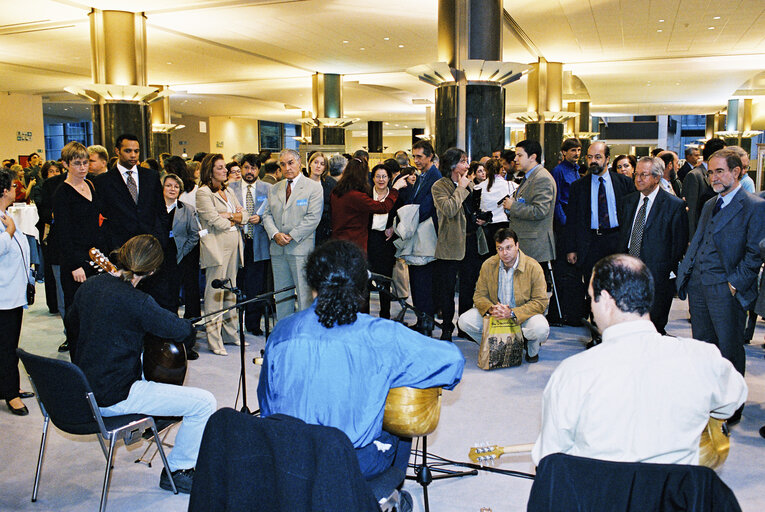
(107, 473)
(164, 434)
(164, 458)
(103, 446)
(40, 458)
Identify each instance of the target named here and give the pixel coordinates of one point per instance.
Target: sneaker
(183, 479)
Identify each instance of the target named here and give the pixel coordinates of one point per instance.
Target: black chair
(566, 482)
(280, 463)
(65, 397)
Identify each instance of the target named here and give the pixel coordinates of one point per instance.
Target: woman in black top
(76, 221)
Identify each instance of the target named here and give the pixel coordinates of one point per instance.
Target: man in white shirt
(638, 396)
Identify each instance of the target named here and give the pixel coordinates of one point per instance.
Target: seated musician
(109, 319)
(331, 365)
(510, 285)
(638, 396)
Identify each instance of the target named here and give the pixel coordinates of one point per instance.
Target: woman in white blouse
(221, 248)
(493, 190)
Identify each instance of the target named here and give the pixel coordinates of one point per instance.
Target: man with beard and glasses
(251, 278)
(592, 223)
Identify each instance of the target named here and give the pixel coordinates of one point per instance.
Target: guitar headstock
(485, 454)
(100, 262)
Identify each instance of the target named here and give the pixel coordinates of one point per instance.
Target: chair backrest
(566, 482)
(62, 390)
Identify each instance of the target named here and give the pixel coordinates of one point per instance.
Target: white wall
(231, 135)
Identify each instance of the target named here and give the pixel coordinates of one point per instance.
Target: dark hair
(503, 234)
(360, 153)
(493, 167)
(387, 172)
(252, 159)
(508, 156)
(124, 136)
(531, 147)
(656, 151)
(231, 165)
(337, 271)
(627, 280)
(570, 144)
(6, 179)
(731, 157)
(33, 154)
(355, 177)
(152, 163)
(688, 151)
(176, 165)
(631, 158)
(198, 157)
(270, 167)
(392, 165)
(712, 146)
(45, 171)
(425, 146)
(449, 160)
(668, 157)
(206, 171)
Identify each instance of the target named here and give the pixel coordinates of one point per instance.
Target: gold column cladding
(118, 47)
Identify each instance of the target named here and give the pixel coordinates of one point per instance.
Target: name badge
(262, 198)
(302, 202)
(203, 233)
(171, 233)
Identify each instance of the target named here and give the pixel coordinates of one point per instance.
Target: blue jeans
(156, 399)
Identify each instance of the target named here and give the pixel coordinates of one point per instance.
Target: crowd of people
(619, 238)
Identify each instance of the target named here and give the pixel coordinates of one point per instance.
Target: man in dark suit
(132, 204)
(592, 225)
(719, 271)
(654, 228)
(692, 159)
(696, 189)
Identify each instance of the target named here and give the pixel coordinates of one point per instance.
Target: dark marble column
(112, 119)
(375, 136)
(550, 135)
(415, 133)
(327, 135)
(160, 143)
(484, 120)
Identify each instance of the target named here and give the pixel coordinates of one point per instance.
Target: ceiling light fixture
(345, 42)
(401, 46)
(362, 49)
(386, 38)
(710, 28)
(716, 18)
(661, 21)
(660, 30)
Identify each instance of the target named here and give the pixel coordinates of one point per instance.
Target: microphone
(220, 283)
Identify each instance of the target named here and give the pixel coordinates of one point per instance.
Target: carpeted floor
(501, 406)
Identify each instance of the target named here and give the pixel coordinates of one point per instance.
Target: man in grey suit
(720, 268)
(531, 208)
(291, 215)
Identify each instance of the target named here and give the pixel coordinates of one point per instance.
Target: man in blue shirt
(567, 279)
(331, 365)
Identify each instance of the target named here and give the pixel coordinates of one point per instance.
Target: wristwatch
(512, 315)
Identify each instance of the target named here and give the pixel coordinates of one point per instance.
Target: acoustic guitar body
(164, 361)
(411, 412)
(714, 444)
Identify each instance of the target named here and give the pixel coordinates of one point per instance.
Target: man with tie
(292, 213)
(655, 229)
(132, 204)
(251, 278)
(720, 268)
(692, 159)
(592, 222)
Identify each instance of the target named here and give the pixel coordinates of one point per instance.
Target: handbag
(30, 286)
(501, 344)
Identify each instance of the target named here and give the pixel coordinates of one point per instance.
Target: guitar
(411, 412)
(163, 360)
(713, 447)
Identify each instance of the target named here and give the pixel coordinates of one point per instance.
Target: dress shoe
(26, 394)
(532, 359)
(220, 352)
(463, 334)
(192, 355)
(20, 411)
(64, 347)
(183, 478)
(735, 419)
(446, 335)
(257, 331)
(762, 431)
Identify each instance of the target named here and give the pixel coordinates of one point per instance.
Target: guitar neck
(517, 448)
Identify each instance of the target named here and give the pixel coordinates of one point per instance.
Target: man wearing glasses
(720, 268)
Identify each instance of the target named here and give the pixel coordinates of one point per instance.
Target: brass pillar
(161, 123)
(544, 95)
(327, 93)
(118, 57)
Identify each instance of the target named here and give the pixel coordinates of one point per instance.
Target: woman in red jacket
(351, 204)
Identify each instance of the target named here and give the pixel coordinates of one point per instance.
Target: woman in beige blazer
(221, 248)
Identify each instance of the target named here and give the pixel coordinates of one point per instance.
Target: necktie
(250, 205)
(132, 186)
(289, 190)
(718, 206)
(603, 220)
(636, 240)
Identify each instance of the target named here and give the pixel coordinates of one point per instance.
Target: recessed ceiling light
(362, 49)
(386, 124)
(395, 125)
(716, 18)
(401, 46)
(677, 83)
(386, 38)
(345, 42)
(169, 63)
(710, 28)
(660, 30)
(661, 21)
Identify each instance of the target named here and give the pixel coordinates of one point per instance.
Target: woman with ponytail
(107, 323)
(332, 365)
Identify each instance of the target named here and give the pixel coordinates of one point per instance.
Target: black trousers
(10, 331)
(382, 258)
(421, 286)
(251, 279)
(662, 303)
(600, 247)
(51, 298)
(189, 273)
(447, 271)
(569, 285)
(491, 230)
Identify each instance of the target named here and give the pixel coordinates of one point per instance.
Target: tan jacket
(528, 283)
(220, 239)
(452, 225)
(532, 218)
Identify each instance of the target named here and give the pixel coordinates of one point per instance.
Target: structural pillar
(161, 126)
(581, 126)
(118, 58)
(469, 115)
(738, 122)
(714, 123)
(375, 136)
(327, 105)
(545, 95)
